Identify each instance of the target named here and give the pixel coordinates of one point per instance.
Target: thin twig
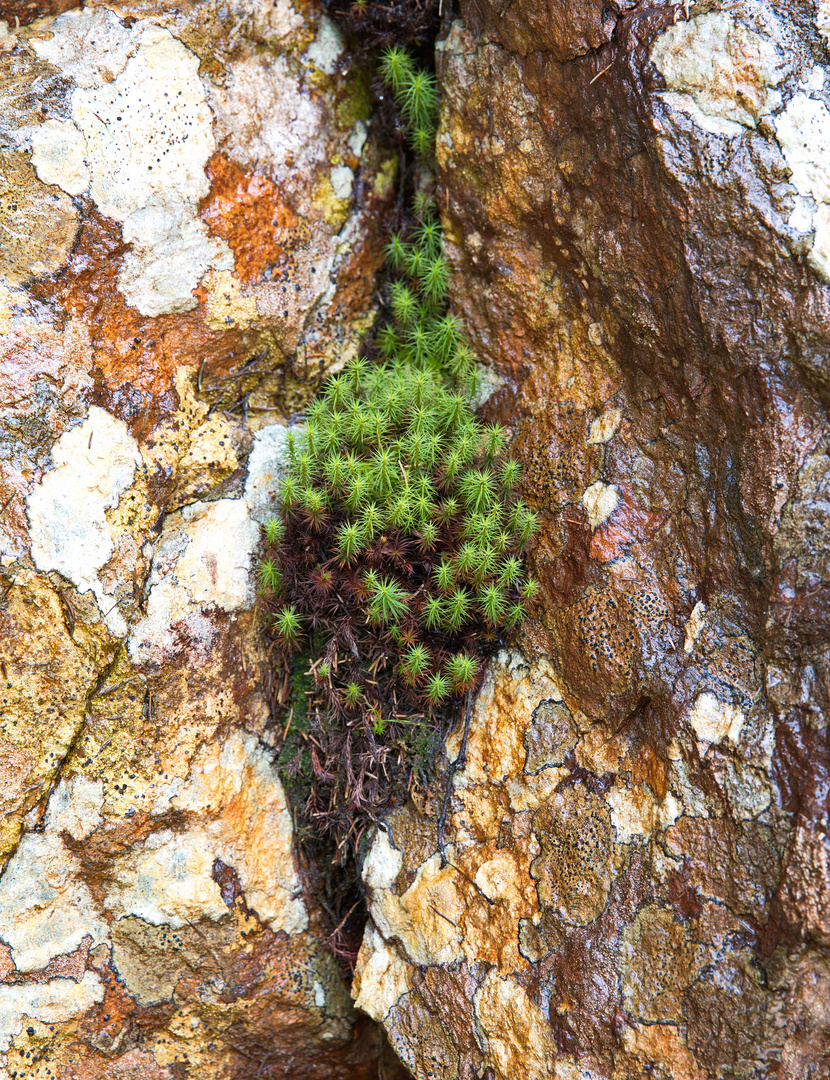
(442, 916)
(591, 83)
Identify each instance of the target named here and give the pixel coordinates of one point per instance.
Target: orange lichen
(135, 356)
(250, 211)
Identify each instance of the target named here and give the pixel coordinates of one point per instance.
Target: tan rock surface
(184, 253)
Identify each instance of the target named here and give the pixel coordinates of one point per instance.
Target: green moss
(356, 103)
(400, 557)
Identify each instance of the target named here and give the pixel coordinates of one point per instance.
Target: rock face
(637, 875)
(190, 211)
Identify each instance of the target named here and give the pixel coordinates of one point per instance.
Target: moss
(397, 560)
(356, 103)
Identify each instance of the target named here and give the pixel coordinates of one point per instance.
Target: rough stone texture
(638, 849)
(191, 213)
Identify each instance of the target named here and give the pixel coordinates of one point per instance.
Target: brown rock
(622, 191)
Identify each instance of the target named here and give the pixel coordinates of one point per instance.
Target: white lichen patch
(803, 131)
(50, 1002)
(694, 626)
(262, 114)
(342, 180)
(325, 50)
(383, 863)
(823, 19)
(216, 565)
(605, 427)
(600, 500)
(167, 880)
(717, 71)
(267, 464)
(713, 721)
(46, 909)
(204, 559)
(94, 465)
(636, 813)
(381, 977)
(59, 156)
(75, 807)
(139, 142)
(88, 45)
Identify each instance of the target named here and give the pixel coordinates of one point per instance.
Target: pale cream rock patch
(75, 806)
(383, 863)
(600, 500)
(86, 44)
(823, 18)
(46, 909)
(342, 179)
(518, 1041)
(170, 614)
(267, 464)
(226, 306)
(605, 427)
(262, 114)
(357, 139)
(94, 465)
(381, 977)
(167, 880)
(749, 788)
(694, 626)
(237, 786)
(413, 917)
(426, 918)
(814, 78)
(495, 750)
(498, 879)
(718, 72)
(325, 50)
(216, 565)
(635, 812)
(49, 1002)
(204, 558)
(144, 139)
(489, 381)
(803, 131)
(59, 156)
(7, 40)
(713, 721)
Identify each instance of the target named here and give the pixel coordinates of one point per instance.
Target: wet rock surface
(635, 880)
(191, 213)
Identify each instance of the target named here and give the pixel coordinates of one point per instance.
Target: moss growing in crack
(395, 561)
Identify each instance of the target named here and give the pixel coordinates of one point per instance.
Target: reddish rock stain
(135, 356)
(250, 212)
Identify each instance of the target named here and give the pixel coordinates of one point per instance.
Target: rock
(185, 252)
(637, 850)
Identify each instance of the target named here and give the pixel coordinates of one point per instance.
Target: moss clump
(396, 558)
